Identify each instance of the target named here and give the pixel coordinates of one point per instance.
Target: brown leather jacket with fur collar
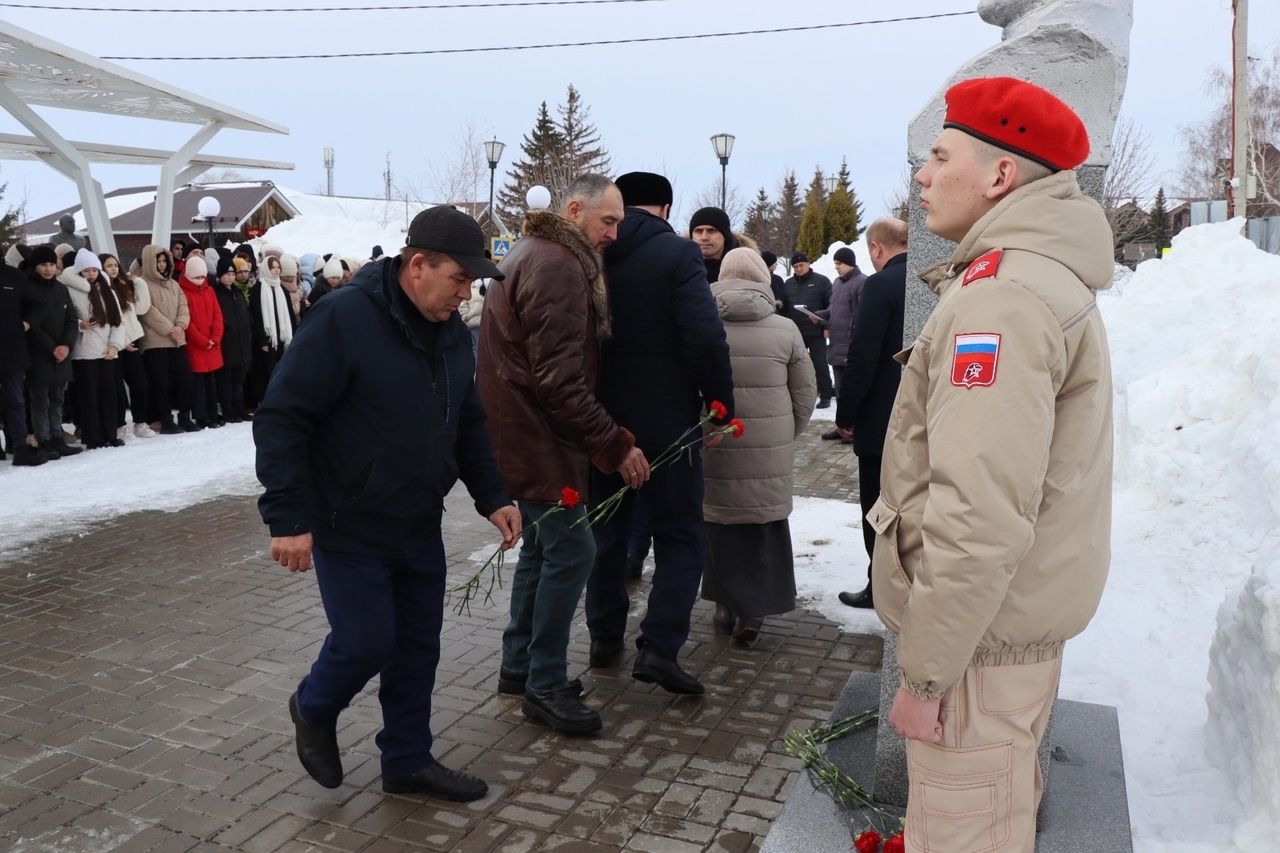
(539, 362)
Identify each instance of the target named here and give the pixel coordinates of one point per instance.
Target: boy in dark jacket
(237, 337)
(49, 344)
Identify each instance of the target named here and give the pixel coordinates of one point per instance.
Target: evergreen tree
(535, 166)
(10, 233)
(788, 212)
(858, 213)
(759, 222)
(1158, 222)
(582, 151)
(841, 219)
(812, 239)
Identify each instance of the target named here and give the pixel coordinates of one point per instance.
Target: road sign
(499, 246)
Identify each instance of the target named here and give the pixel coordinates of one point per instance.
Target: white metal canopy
(36, 71)
(16, 147)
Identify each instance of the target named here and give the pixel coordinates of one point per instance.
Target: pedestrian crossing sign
(499, 246)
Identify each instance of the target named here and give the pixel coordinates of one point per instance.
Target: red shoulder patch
(985, 266)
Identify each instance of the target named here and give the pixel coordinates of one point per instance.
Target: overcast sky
(793, 100)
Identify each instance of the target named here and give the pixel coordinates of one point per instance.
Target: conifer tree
(10, 233)
(1158, 222)
(582, 151)
(758, 225)
(841, 220)
(812, 239)
(535, 166)
(788, 212)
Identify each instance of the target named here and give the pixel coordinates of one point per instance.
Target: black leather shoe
(606, 654)
(831, 435)
(862, 599)
(317, 748)
(170, 428)
(723, 619)
(652, 668)
(512, 681)
(188, 425)
(561, 709)
(635, 566)
(824, 403)
(437, 781)
(61, 447)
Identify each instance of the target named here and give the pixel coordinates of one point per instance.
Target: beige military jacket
(994, 519)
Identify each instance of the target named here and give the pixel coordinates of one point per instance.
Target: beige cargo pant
(978, 790)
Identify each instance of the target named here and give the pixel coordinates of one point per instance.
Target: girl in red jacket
(204, 341)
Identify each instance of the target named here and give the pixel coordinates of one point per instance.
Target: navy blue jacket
(16, 307)
(870, 380)
(668, 353)
(369, 420)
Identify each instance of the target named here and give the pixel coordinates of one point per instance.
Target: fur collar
(557, 229)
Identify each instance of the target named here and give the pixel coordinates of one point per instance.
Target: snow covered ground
(1195, 545)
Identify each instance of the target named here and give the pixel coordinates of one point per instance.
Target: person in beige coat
(163, 344)
(749, 572)
(994, 519)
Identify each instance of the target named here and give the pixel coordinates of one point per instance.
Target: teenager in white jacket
(135, 300)
(101, 339)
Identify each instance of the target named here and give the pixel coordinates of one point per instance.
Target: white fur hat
(288, 266)
(333, 269)
(85, 260)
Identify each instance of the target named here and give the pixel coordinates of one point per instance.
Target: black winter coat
(870, 380)
(237, 327)
(16, 307)
(255, 314)
(59, 326)
(369, 420)
(813, 291)
(668, 354)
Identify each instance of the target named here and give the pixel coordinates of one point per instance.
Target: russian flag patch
(976, 357)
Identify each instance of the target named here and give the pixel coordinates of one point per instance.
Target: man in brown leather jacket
(538, 365)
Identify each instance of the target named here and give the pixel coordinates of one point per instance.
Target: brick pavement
(144, 668)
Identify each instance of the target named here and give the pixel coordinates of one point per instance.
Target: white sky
(792, 100)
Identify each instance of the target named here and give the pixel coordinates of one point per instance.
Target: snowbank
(347, 226)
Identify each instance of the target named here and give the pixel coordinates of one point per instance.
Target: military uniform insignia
(975, 360)
(984, 266)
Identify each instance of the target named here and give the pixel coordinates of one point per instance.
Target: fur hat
(288, 266)
(332, 268)
(744, 264)
(86, 260)
(195, 268)
(43, 254)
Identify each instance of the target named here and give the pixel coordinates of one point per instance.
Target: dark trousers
(15, 409)
(169, 382)
(230, 382)
(130, 371)
(673, 501)
(46, 409)
(204, 398)
(384, 619)
(868, 494)
(817, 348)
(641, 537)
(95, 380)
(264, 364)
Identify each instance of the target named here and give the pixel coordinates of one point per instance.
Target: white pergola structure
(35, 71)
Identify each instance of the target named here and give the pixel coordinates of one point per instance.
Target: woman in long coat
(749, 572)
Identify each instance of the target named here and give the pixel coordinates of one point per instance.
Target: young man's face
(228, 278)
(843, 269)
(801, 268)
(176, 251)
(242, 276)
(710, 241)
(47, 270)
(954, 183)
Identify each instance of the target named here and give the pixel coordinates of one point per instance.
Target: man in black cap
(710, 229)
(666, 361)
(811, 291)
(776, 284)
(356, 460)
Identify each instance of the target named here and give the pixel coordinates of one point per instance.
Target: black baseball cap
(452, 232)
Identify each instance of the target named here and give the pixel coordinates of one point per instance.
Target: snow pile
(347, 226)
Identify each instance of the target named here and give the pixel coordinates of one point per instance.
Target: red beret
(1019, 117)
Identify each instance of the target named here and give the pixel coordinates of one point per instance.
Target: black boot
(861, 600)
(187, 425)
(438, 781)
(512, 681)
(24, 456)
(59, 445)
(652, 668)
(560, 709)
(168, 427)
(605, 654)
(317, 748)
(831, 435)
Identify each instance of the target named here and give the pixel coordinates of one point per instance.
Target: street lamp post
(723, 145)
(833, 183)
(209, 208)
(493, 151)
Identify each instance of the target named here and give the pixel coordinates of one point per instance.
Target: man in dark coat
(666, 361)
(811, 291)
(49, 344)
(19, 311)
(356, 459)
(237, 343)
(871, 374)
(776, 284)
(711, 230)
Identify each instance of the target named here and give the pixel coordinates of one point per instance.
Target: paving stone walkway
(145, 665)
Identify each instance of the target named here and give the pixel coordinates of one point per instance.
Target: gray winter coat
(845, 293)
(749, 480)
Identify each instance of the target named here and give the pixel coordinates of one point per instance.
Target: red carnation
(736, 427)
(718, 411)
(569, 497)
(867, 842)
(897, 844)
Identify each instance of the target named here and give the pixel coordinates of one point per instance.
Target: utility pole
(386, 177)
(1239, 205)
(328, 168)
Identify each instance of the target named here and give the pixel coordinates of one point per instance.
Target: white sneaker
(143, 431)
(122, 433)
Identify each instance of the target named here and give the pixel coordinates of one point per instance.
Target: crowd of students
(183, 339)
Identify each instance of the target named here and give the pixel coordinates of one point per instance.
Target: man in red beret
(993, 524)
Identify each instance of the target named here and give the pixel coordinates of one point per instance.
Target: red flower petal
(737, 427)
(897, 844)
(717, 409)
(569, 497)
(867, 842)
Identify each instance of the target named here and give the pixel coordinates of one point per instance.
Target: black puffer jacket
(59, 326)
(16, 307)
(237, 333)
(813, 291)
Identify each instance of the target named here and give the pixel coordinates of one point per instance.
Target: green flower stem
(826, 776)
(472, 585)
